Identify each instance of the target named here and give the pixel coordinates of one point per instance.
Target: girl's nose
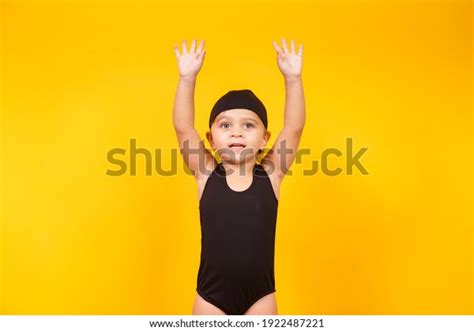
(236, 134)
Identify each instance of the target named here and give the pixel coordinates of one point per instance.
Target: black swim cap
(245, 99)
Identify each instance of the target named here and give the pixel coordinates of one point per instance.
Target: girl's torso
(238, 228)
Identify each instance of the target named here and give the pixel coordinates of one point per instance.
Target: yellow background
(82, 77)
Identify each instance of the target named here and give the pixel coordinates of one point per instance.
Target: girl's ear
(266, 137)
(209, 138)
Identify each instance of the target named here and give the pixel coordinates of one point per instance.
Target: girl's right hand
(190, 62)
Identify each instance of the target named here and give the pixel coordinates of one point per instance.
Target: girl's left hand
(289, 62)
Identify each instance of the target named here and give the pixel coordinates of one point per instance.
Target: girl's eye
(223, 124)
(249, 125)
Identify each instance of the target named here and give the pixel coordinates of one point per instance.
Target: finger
(300, 52)
(285, 48)
(201, 46)
(185, 50)
(201, 56)
(292, 46)
(193, 46)
(176, 51)
(277, 48)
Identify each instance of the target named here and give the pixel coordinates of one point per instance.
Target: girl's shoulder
(210, 166)
(274, 179)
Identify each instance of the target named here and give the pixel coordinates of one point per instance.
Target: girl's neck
(239, 169)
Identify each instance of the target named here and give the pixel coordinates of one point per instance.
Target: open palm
(190, 62)
(289, 62)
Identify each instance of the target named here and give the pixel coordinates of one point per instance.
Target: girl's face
(237, 135)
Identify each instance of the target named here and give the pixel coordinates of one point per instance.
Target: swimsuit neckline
(223, 173)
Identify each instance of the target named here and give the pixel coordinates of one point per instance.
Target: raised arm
(283, 152)
(195, 155)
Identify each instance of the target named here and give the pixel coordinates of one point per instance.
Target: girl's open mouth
(237, 146)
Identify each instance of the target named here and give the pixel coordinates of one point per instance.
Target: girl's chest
(224, 186)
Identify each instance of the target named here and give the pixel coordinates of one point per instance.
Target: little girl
(238, 197)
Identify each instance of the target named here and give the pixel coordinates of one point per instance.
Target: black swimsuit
(237, 241)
